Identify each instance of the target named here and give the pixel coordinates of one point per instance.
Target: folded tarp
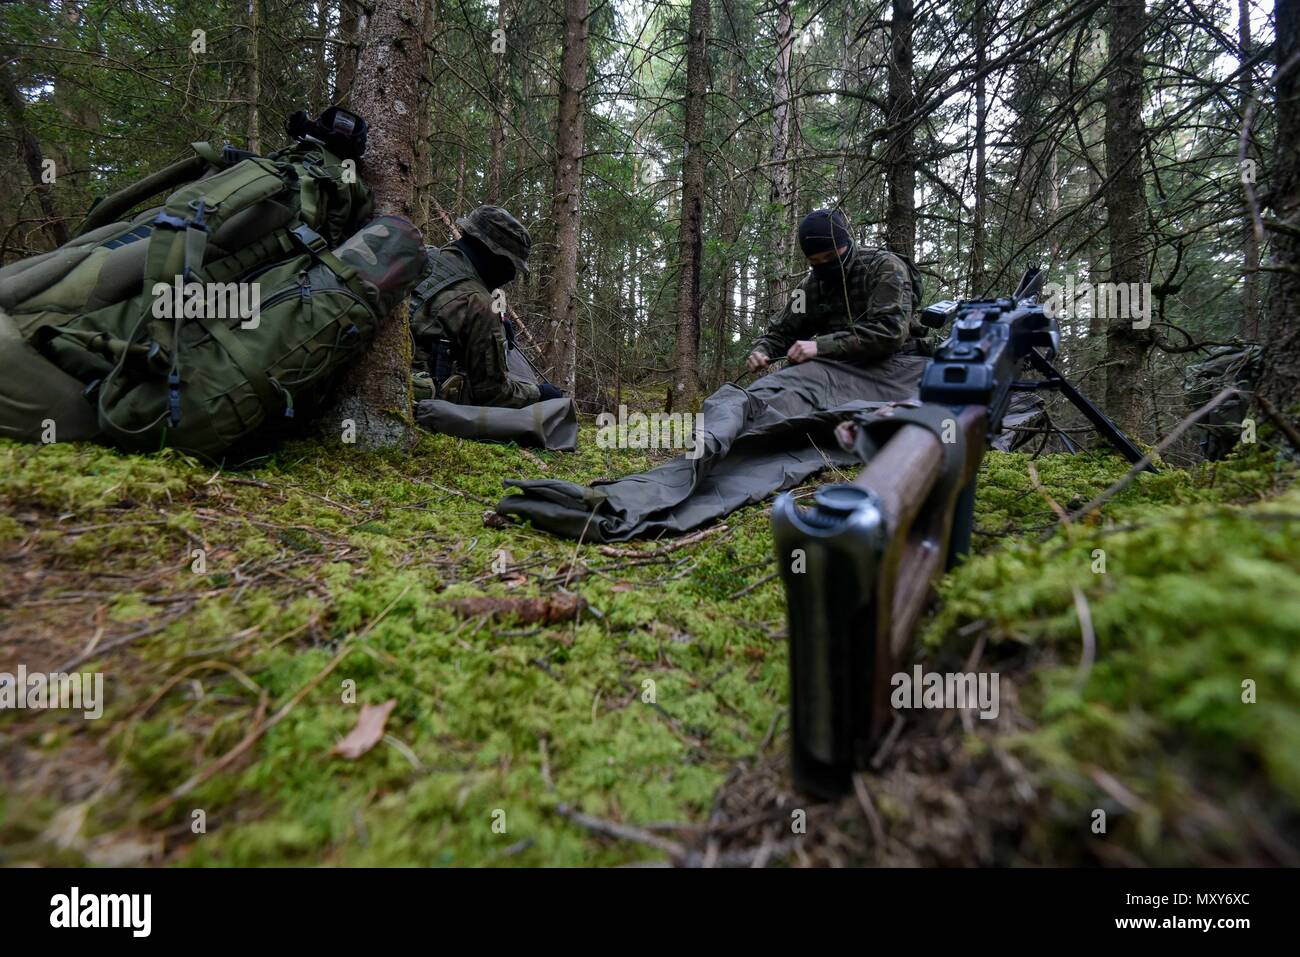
(754, 442)
(549, 424)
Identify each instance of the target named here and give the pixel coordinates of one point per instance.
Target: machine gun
(858, 565)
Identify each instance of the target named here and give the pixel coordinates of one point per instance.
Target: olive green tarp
(757, 441)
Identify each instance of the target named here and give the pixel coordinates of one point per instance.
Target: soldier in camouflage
(1238, 366)
(457, 314)
(855, 305)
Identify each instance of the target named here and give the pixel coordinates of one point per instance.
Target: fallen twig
(691, 539)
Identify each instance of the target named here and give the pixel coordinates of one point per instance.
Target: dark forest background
(662, 153)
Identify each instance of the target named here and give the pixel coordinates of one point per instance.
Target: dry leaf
(368, 732)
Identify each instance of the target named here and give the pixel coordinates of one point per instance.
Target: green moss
(638, 710)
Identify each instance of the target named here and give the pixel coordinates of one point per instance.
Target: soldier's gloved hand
(549, 391)
(756, 361)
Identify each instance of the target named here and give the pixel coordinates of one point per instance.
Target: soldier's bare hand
(802, 351)
(757, 360)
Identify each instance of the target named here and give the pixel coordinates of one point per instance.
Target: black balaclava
(825, 229)
(494, 270)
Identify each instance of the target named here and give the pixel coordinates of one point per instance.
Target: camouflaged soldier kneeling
(856, 305)
(460, 333)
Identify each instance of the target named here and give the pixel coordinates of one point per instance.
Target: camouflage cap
(500, 232)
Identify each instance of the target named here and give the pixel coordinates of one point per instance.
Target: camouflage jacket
(462, 313)
(861, 315)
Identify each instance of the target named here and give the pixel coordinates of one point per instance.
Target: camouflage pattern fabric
(862, 315)
(1225, 366)
(380, 252)
(462, 313)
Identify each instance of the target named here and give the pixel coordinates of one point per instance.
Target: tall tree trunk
(254, 77)
(691, 233)
(497, 134)
(1126, 212)
(33, 158)
(376, 392)
(320, 56)
(900, 163)
(1280, 384)
(977, 252)
(1249, 242)
(562, 350)
(424, 181)
(345, 56)
(780, 243)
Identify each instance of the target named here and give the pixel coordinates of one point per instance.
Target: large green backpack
(139, 313)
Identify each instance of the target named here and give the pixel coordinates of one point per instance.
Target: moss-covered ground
(242, 619)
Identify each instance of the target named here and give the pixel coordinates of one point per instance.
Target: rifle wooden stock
(905, 476)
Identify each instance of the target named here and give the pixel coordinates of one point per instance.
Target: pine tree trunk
(345, 55)
(376, 392)
(33, 158)
(253, 78)
(977, 253)
(496, 152)
(900, 164)
(320, 56)
(691, 235)
(1249, 242)
(780, 241)
(1280, 384)
(1126, 213)
(566, 212)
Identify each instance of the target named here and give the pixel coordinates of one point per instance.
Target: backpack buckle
(311, 240)
(171, 222)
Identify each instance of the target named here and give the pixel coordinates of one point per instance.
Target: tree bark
(1280, 383)
(346, 51)
(320, 54)
(376, 392)
(691, 236)
(33, 158)
(497, 135)
(253, 78)
(1126, 212)
(1249, 242)
(780, 243)
(566, 211)
(977, 253)
(900, 163)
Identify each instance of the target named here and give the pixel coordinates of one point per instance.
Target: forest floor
(557, 704)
